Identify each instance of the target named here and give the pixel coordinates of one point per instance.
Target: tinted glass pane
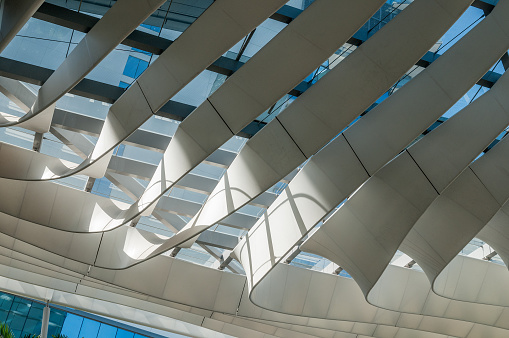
(89, 328)
(72, 326)
(107, 331)
(124, 334)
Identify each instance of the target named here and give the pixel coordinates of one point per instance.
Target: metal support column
(45, 321)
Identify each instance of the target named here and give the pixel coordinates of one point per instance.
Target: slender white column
(45, 321)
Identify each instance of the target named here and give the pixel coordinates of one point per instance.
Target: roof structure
(139, 138)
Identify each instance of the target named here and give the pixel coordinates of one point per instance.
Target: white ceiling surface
(78, 249)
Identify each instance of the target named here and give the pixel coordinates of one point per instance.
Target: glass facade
(79, 324)
(24, 317)
(78, 327)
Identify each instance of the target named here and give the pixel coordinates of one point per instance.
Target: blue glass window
(72, 325)
(89, 328)
(134, 67)
(107, 331)
(123, 84)
(124, 334)
(154, 28)
(102, 187)
(140, 51)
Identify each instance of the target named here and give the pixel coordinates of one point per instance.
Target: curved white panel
(254, 88)
(193, 133)
(335, 172)
(313, 119)
(182, 61)
(106, 34)
(363, 235)
(71, 246)
(193, 141)
(143, 287)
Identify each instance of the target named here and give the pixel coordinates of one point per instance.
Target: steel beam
(137, 39)
(101, 91)
(486, 5)
(154, 44)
